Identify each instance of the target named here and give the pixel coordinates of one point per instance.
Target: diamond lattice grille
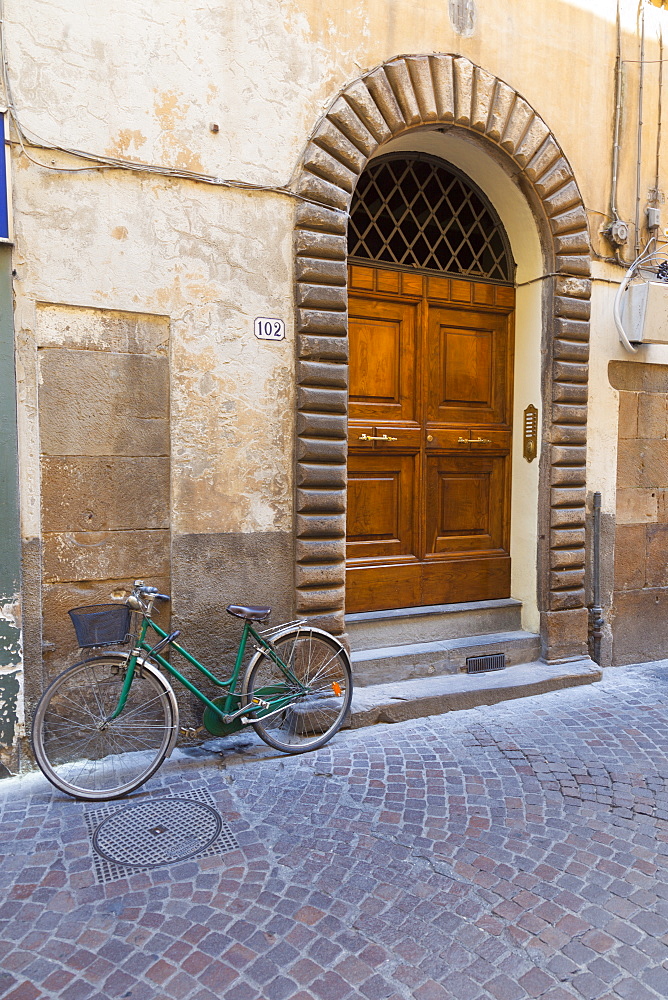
(418, 213)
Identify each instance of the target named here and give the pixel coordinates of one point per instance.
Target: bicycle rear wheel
(320, 702)
(83, 756)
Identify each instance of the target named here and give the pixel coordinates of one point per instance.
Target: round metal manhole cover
(152, 834)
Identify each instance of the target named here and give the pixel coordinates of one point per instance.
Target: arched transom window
(419, 212)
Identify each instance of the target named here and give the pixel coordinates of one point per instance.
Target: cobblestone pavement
(507, 852)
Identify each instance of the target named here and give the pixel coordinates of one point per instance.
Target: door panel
(429, 440)
(381, 497)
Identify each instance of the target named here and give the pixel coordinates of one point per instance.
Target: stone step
(371, 629)
(415, 699)
(447, 656)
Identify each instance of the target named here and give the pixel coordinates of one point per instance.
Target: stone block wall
(640, 599)
(105, 465)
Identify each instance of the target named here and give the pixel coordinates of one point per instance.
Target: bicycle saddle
(250, 613)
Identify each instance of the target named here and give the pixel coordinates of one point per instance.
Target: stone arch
(407, 93)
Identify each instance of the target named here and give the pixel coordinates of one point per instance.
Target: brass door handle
(471, 440)
(370, 437)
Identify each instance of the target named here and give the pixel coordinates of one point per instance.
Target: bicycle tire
(94, 764)
(320, 662)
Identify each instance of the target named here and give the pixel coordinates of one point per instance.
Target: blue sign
(5, 214)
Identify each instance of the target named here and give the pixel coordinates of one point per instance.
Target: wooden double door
(429, 458)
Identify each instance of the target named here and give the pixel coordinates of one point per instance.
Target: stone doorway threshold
(423, 696)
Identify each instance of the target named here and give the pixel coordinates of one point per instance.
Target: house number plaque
(269, 329)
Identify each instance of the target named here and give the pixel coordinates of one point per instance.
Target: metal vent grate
(127, 839)
(481, 664)
(417, 212)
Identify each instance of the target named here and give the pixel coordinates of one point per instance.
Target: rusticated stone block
(564, 414)
(332, 139)
(322, 321)
(564, 198)
(566, 434)
(319, 550)
(572, 244)
(561, 496)
(444, 88)
(321, 474)
(568, 455)
(329, 220)
(402, 86)
(323, 425)
(483, 96)
(573, 264)
(517, 125)
(558, 175)
(567, 517)
(317, 189)
(314, 449)
(564, 634)
(567, 579)
(572, 308)
(562, 600)
(571, 350)
(326, 272)
(566, 475)
(322, 348)
(630, 554)
(332, 574)
(463, 79)
(348, 121)
(321, 525)
(567, 371)
(309, 243)
(322, 373)
(322, 599)
(315, 501)
(322, 400)
(576, 288)
(571, 329)
(423, 86)
(322, 163)
(563, 392)
(567, 537)
(502, 105)
(572, 220)
(332, 622)
(533, 138)
(543, 159)
(359, 98)
(322, 297)
(382, 93)
(567, 558)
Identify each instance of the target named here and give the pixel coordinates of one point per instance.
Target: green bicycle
(106, 724)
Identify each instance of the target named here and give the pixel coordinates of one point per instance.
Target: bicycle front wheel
(84, 755)
(320, 700)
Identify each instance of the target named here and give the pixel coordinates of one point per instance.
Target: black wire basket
(101, 624)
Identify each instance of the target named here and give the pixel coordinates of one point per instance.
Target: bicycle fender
(279, 635)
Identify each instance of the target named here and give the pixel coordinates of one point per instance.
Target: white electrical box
(645, 313)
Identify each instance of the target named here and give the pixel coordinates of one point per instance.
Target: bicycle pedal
(260, 703)
(190, 733)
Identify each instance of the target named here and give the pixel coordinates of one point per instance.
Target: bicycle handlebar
(151, 592)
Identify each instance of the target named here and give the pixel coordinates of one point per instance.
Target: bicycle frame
(232, 701)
